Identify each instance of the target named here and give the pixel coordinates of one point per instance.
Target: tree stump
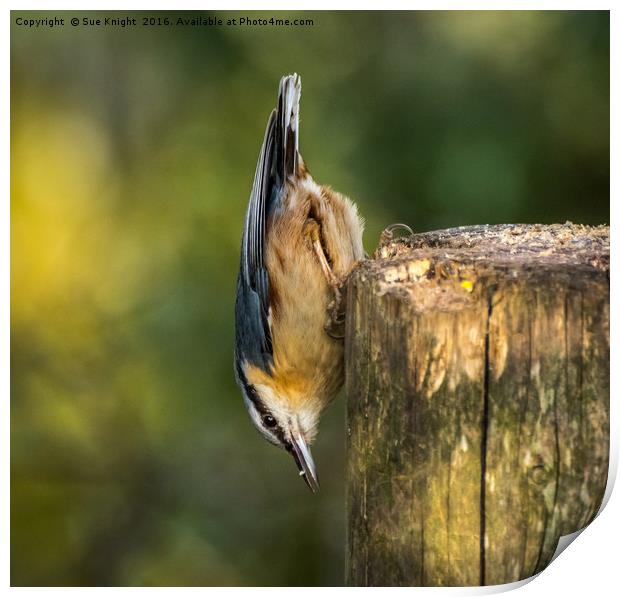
(477, 376)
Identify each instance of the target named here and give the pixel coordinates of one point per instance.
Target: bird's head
(284, 417)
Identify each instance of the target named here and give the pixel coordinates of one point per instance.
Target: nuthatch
(300, 240)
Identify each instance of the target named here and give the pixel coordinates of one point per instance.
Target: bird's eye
(269, 421)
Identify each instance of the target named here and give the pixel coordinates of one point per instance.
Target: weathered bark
(477, 364)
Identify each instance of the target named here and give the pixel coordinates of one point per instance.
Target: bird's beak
(303, 460)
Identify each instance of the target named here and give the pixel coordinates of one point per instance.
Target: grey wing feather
(287, 131)
(277, 162)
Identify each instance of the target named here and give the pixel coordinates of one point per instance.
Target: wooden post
(477, 366)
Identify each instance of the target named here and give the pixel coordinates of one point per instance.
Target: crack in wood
(483, 440)
(477, 416)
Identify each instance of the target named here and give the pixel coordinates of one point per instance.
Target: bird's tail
(286, 133)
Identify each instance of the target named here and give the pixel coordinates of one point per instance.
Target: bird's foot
(388, 234)
(336, 315)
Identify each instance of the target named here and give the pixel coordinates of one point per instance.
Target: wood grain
(477, 375)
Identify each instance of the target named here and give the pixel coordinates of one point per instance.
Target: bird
(300, 241)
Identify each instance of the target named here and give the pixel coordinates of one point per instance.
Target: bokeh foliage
(132, 459)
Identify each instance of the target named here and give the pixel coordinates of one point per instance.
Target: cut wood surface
(477, 375)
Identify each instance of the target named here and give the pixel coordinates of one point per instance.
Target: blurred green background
(133, 461)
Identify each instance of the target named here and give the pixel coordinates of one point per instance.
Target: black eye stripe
(262, 410)
(269, 421)
(250, 390)
(271, 424)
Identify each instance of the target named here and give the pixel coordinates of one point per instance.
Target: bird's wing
(277, 162)
(287, 128)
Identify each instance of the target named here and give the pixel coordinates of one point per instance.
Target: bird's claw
(336, 316)
(388, 234)
(332, 334)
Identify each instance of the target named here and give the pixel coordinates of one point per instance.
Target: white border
(588, 565)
